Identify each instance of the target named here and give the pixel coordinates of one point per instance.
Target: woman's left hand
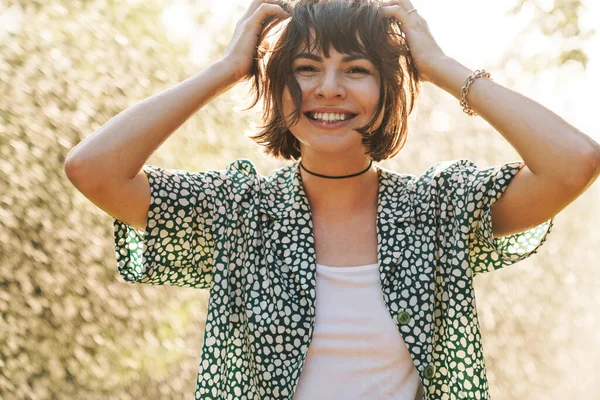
(425, 51)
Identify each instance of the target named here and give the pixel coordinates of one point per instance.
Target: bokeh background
(71, 328)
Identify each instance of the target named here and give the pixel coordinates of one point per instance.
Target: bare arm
(561, 162)
(107, 166)
(119, 149)
(550, 146)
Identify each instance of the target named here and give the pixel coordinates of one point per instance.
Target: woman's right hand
(242, 49)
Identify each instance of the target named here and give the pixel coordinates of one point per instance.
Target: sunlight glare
(177, 18)
(476, 34)
(546, 5)
(441, 121)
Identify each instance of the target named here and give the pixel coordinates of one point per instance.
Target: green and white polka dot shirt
(249, 240)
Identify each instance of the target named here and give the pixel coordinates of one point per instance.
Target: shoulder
(238, 177)
(241, 168)
(446, 169)
(436, 175)
(466, 173)
(422, 191)
(463, 177)
(450, 175)
(243, 174)
(409, 196)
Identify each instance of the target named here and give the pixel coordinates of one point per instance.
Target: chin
(345, 141)
(332, 147)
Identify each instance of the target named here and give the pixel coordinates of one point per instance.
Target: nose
(331, 86)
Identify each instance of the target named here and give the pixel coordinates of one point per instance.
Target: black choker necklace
(336, 177)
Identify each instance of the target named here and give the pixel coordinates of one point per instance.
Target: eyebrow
(347, 58)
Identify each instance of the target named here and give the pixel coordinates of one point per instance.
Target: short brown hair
(351, 26)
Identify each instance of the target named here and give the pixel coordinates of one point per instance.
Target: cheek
(372, 92)
(378, 122)
(289, 106)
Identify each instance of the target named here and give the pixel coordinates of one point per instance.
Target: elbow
(596, 162)
(70, 165)
(589, 172)
(73, 172)
(593, 165)
(69, 170)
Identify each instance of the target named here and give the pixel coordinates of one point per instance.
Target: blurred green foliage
(559, 19)
(71, 328)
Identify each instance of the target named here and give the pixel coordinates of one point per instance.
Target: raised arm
(560, 161)
(107, 166)
(119, 149)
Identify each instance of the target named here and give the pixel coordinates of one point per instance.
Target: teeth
(330, 117)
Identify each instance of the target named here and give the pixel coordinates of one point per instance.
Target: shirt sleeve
(177, 245)
(477, 189)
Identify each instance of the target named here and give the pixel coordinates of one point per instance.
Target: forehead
(318, 57)
(323, 44)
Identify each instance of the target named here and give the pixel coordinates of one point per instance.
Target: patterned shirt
(249, 240)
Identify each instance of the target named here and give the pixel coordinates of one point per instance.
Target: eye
(359, 70)
(305, 68)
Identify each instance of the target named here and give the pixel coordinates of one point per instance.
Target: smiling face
(326, 80)
(339, 94)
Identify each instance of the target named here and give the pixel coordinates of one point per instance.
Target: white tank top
(356, 351)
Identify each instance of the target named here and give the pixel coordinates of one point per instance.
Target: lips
(330, 124)
(329, 117)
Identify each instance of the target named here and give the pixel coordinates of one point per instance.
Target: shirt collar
(400, 195)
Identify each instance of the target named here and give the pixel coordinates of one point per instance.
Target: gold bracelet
(465, 90)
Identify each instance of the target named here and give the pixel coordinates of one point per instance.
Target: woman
(356, 276)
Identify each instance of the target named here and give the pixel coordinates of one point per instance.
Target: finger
(394, 11)
(266, 10)
(399, 13)
(251, 8)
(254, 6)
(406, 5)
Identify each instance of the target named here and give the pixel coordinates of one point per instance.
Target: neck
(340, 195)
(336, 176)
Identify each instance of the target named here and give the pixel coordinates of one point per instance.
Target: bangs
(351, 27)
(348, 26)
